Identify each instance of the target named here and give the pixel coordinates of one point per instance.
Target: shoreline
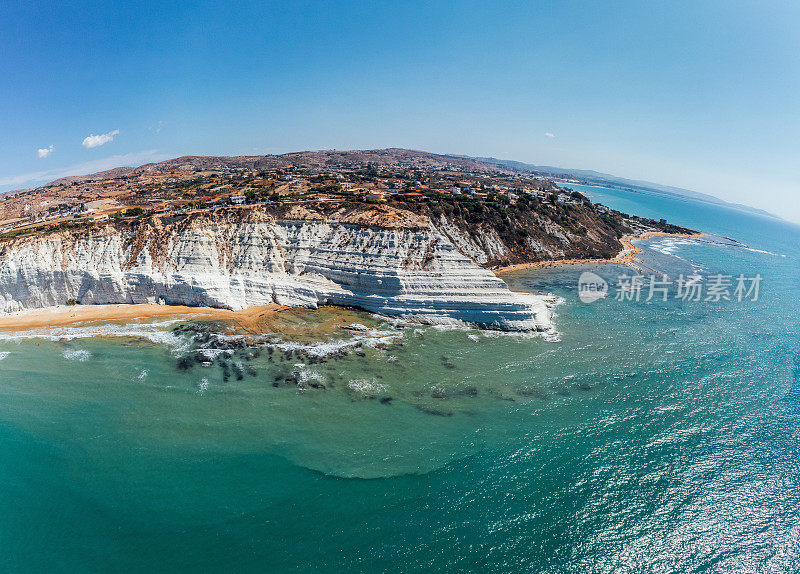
(624, 257)
(68, 316)
(254, 320)
(300, 324)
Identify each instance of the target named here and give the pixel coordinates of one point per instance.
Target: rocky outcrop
(410, 271)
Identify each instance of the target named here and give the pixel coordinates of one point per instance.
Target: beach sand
(65, 316)
(296, 322)
(624, 257)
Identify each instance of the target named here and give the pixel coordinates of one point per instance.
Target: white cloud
(95, 141)
(33, 179)
(44, 152)
(550, 134)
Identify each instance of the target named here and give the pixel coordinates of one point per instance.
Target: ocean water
(655, 436)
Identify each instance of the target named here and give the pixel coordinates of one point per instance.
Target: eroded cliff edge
(381, 259)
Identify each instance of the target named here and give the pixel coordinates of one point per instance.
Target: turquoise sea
(659, 436)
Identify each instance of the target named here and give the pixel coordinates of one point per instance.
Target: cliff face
(405, 268)
(508, 234)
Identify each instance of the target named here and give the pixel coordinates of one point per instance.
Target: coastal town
(185, 191)
(189, 185)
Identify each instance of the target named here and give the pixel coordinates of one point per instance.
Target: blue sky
(704, 95)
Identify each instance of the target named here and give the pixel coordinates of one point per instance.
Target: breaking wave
(156, 332)
(80, 355)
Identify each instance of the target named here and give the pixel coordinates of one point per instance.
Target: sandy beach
(65, 316)
(624, 257)
(299, 323)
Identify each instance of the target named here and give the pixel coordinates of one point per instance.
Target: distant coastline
(625, 257)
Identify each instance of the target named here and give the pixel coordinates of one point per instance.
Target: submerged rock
(435, 411)
(531, 391)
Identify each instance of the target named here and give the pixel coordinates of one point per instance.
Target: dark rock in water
(499, 395)
(463, 392)
(276, 384)
(270, 350)
(251, 371)
(226, 371)
(434, 411)
(291, 381)
(386, 400)
(361, 354)
(531, 392)
(584, 386)
(439, 394)
(185, 363)
(447, 363)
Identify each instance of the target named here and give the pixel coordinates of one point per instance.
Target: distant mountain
(591, 177)
(391, 157)
(107, 174)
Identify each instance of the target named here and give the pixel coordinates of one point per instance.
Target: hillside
(511, 215)
(397, 232)
(392, 159)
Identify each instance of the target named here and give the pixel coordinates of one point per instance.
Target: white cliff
(413, 272)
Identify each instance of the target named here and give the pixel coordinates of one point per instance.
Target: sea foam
(80, 355)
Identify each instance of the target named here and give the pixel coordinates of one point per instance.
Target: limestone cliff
(392, 262)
